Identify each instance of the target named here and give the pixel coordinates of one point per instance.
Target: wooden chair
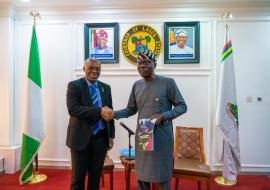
(108, 168)
(189, 158)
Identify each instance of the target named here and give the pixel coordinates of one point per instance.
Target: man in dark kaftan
(156, 97)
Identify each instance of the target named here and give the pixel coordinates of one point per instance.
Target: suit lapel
(102, 93)
(86, 91)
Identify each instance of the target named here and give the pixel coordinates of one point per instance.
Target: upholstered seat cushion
(108, 164)
(191, 167)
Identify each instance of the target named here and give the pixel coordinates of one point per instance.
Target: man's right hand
(107, 113)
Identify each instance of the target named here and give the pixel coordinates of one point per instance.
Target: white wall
(6, 76)
(60, 37)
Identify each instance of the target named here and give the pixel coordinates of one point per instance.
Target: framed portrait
(181, 42)
(101, 42)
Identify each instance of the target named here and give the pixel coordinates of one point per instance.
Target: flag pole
(227, 16)
(37, 178)
(220, 180)
(35, 15)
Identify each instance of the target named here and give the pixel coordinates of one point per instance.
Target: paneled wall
(61, 45)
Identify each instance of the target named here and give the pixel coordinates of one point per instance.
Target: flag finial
(36, 15)
(226, 17)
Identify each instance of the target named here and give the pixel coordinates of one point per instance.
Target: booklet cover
(146, 134)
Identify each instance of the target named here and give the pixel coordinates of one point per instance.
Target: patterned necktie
(94, 93)
(97, 103)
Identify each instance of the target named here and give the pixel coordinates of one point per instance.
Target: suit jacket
(83, 114)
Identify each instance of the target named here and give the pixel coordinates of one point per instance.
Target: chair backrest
(188, 143)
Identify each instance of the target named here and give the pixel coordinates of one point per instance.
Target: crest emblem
(233, 113)
(140, 38)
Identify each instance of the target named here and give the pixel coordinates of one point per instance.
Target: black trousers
(89, 160)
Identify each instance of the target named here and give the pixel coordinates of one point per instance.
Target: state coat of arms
(140, 38)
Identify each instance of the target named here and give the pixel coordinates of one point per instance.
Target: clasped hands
(107, 113)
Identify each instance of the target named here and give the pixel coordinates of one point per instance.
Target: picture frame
(181, 42)
(101, 41)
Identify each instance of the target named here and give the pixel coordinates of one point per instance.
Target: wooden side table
(128, 165)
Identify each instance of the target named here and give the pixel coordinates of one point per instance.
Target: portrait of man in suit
(101, 48)
(90, 133)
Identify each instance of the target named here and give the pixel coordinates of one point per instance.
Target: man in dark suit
(90, 133)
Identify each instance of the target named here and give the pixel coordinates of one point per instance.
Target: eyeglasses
(91, 69)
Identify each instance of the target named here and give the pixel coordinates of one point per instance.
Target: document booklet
(146, 134)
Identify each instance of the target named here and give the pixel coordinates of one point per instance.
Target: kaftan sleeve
(131, 108)
(177, 100)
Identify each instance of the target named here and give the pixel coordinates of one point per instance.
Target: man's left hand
(159, 118)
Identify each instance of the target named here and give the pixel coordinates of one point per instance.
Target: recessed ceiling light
(25, 0)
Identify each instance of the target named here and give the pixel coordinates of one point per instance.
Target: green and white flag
(227, 113)
(33, 133)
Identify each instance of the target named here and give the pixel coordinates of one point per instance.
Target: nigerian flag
(227, 113)
(34, 128)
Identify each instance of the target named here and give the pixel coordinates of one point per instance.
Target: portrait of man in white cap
(101, 45)
(181, 46)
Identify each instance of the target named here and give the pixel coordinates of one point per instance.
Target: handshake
(107, 113)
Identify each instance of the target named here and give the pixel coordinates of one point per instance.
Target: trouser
(89, 160)
(143, 185)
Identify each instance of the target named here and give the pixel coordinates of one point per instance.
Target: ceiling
(135, 3)
(138, 4)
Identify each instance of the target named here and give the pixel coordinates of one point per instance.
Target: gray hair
(91, 59)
